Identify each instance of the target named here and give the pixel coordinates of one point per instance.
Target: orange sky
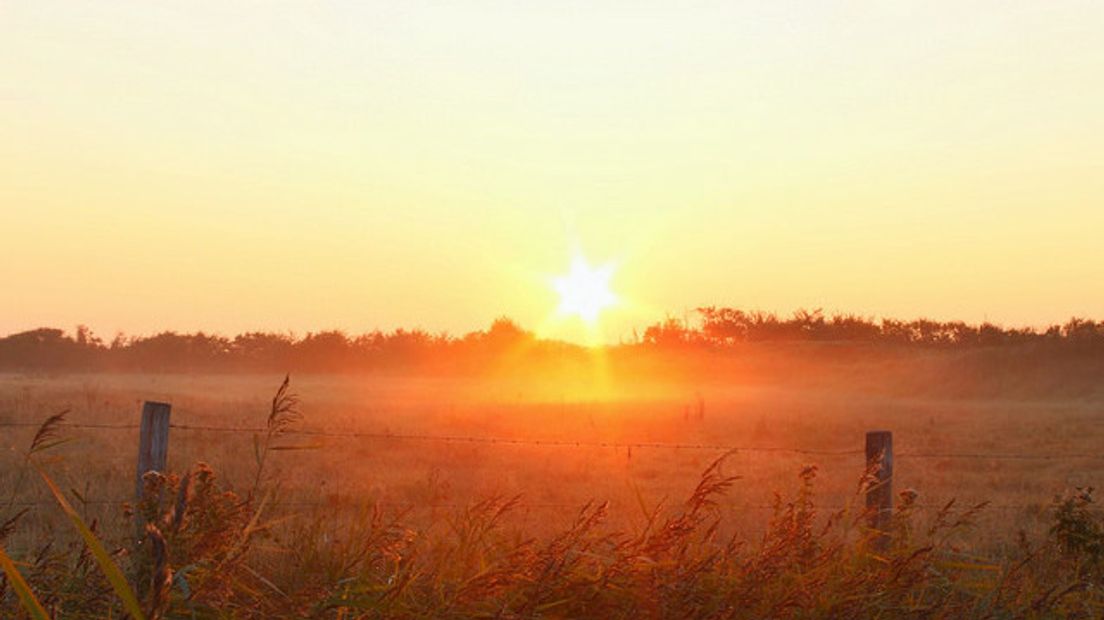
(233, 166)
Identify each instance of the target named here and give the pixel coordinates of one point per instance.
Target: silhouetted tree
(47, 349)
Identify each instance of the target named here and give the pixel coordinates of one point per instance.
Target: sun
(585, 290)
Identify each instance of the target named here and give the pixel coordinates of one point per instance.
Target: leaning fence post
(879, 494)
(153, 442)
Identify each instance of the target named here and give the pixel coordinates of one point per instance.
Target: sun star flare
(585, 290)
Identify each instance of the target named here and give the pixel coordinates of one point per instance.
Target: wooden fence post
(879, 495)
(153, 442)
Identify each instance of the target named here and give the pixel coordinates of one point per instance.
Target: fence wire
(523, 506)
(567, 443)
(552, 443)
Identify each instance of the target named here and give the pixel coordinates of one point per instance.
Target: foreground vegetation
(209, 551)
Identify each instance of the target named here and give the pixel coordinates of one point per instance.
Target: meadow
(434, 453)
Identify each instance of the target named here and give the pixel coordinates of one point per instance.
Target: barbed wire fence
(873, 460)
(564, 443)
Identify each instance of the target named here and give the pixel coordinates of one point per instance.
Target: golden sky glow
(229, 166)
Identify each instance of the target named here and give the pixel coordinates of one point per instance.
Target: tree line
(727, 327)
(713, 328)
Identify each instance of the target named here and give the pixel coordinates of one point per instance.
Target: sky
(233, 166)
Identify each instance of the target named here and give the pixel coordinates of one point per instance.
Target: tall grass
(209, 552)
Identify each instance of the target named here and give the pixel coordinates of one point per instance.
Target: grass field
(332, 480)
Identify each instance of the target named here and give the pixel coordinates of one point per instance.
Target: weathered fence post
(153, 442)
(879, 495)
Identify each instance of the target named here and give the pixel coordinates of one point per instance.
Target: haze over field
(229, 167)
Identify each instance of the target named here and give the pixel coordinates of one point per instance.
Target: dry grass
(401, 528)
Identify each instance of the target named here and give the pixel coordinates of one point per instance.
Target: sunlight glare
(584, 290)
